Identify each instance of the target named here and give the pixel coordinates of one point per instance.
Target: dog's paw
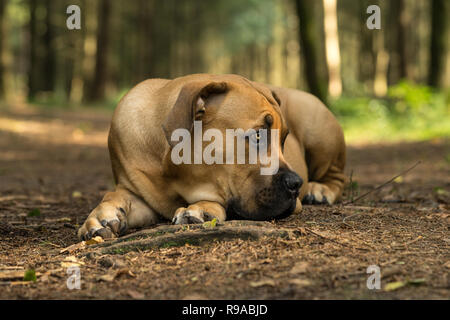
(191, 215)
(106, 222)
(318, 193)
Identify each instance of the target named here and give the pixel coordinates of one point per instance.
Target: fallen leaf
(71, 261)
(265, 282)
(447, 264)
(74, 247)
(395, 285)
(125, 271)
(77, 194)
(110, 276)
(301, 282)
(135, 295)
(94, 240)
(398, 179)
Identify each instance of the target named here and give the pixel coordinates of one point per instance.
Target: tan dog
(151, 186)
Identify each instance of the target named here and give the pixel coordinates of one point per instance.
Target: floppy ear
(276, 97)
(266, 91)
(190, 104)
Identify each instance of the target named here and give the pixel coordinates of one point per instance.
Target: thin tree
(2, 84)
(48, 77)
(309, 49)
(101, 58)
(439, 38)
(332, 47)
(33, 72)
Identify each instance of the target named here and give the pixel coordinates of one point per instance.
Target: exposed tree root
(166, 236)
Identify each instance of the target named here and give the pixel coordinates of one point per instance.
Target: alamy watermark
(214, 153)
(74, 279)
(73, 22)
(374, 280)
(374, 20)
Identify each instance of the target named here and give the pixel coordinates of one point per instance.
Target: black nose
(293, 182)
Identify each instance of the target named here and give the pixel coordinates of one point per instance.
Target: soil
(54, 169)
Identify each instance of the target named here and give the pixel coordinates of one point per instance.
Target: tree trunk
(33, 71)
(380, 84)
(48, 77)
(101, 58)
(401, 41)
(145, 39)
(399, 19)
(2, 68)
(309, 50)
(332, 47)
(439, 38)
(366, 56)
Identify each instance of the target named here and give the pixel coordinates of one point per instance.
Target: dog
(150, 187)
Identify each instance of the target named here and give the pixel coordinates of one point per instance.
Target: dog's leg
(118, 211)
(327, 190)
(327, 178)
(199, 212)
(321, 167)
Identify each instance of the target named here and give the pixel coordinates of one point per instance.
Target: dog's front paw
(106, 222)
(318, 193)
(191, 215)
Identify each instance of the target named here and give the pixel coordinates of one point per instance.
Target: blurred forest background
(387, 84)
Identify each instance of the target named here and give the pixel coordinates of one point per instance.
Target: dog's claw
(105, 233)
(310, 199)
(187, 216)
(111, 226)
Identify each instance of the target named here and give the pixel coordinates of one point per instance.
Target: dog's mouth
(235, 211)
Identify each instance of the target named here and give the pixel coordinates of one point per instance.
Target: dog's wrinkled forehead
(191, 103)
(265, 91)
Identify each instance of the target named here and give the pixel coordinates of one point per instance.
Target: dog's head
(235, 117)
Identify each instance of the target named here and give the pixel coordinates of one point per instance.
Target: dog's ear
(275, 96)
(189, 105)
(267, 92)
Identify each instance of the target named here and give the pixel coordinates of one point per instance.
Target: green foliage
(30, 275)
(244, 22)
(210, 224)
(409, 112)
(34, 213)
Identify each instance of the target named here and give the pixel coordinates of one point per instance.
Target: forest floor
(54, 169)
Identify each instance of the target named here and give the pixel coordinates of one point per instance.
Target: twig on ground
(166, 236)
(348, 217)
(332, 240)
(384, 184)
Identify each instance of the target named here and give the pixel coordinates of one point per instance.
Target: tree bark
(50, 57)
(439, 39)
(2, 68)
(101, 58)
(309, 50)
(380, 84)
(399, 19)
(332, 47)
(33, 67)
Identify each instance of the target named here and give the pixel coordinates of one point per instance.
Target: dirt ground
(54, 169)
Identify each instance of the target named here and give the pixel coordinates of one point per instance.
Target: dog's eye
(258, 137)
